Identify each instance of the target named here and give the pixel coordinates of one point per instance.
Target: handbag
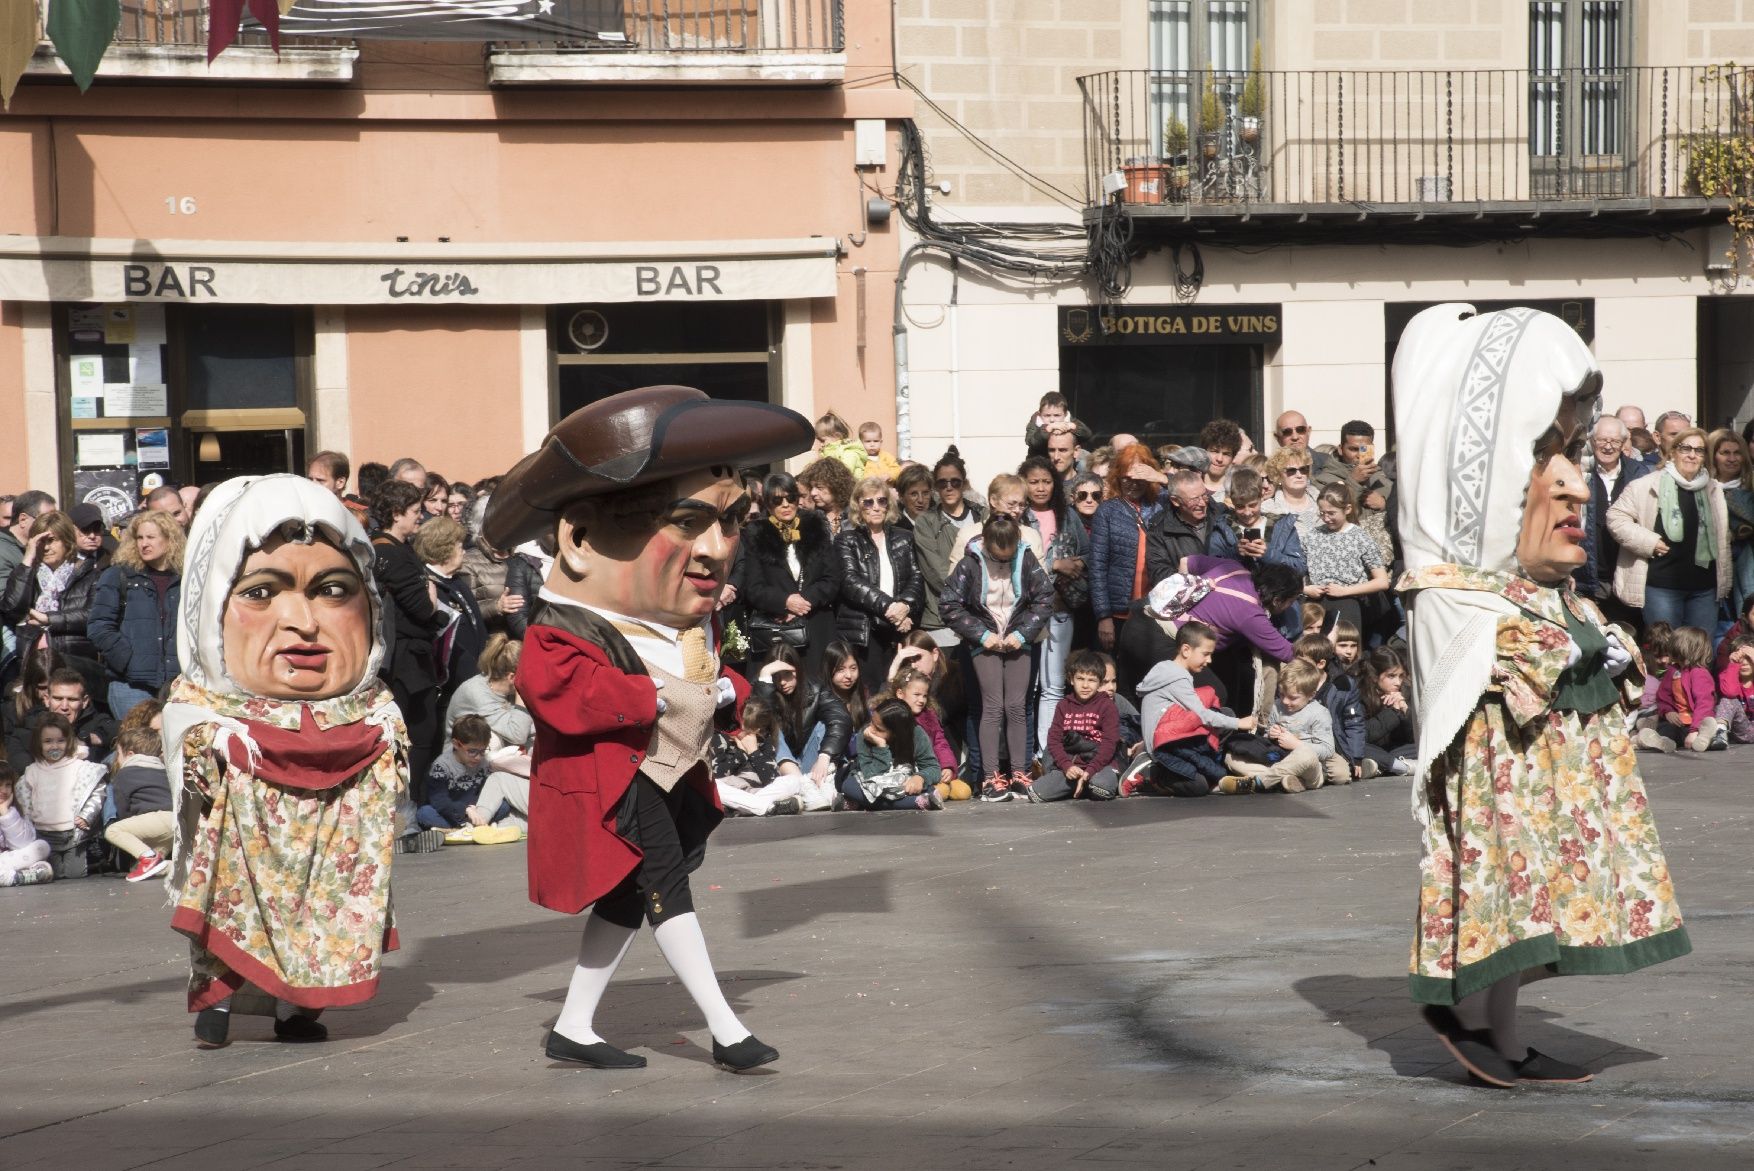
(892, 783)
(764, 632)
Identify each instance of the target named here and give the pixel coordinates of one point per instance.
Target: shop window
(727, 350)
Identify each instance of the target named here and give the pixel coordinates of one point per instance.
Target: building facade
(436, 250)
(1278, 187)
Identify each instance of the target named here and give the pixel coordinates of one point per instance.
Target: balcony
(1309, 155)
(689, 42)
(167, 40)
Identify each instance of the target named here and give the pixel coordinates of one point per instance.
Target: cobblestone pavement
(1171, 984)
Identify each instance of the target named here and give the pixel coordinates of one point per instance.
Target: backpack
(1170, 599)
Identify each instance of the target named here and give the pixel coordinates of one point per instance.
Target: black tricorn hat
(631, 439)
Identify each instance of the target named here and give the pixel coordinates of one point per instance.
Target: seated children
(877, 461)
(1388, 720)
(1132, 734)
(1735, 690)
(1299, 728)
(1686, 699)
(1348, 649)
(1315, 616)
(1184, 749)
(1083, 740)
(914, 688)
(144, 827)
(1656, 650)
(453, 784)
(61, 795)
(1742, 626)
(1339, 694)
(892, 751)
(24, 857)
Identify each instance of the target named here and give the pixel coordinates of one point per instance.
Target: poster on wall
(127, 401)
(97, 449)
(113, 490)
(153, 445)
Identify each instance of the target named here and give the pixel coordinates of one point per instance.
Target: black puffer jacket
(964, 602)
(67, 624)
(861, 602)
(819, 706)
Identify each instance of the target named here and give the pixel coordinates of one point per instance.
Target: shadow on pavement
(785, 906)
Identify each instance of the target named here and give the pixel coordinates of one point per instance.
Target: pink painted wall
(12, 443)
(439, 383)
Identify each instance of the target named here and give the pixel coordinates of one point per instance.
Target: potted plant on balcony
(1175, 154)
(1253, 103)
(1211, 118)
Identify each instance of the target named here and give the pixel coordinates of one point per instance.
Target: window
(1579, 92)
(1191, 41)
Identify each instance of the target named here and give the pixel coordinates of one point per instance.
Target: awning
(203, 272)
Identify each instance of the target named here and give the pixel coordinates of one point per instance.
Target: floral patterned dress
(287, 888)
(1540, 850)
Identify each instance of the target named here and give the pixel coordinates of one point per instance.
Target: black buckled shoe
(744, 1055)
(300, 1029)
(1472, 1047)
(212, 1028)
(601, 1055)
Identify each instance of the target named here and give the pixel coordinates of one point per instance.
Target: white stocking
(600, 950)
(684, 948)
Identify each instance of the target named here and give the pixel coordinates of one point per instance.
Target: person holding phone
(1357, 465)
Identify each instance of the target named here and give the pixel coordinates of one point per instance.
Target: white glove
(727, 693)
(1573, 653)
(1618, 657)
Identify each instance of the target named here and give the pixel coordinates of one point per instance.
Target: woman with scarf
(1674, 532)
(1540, 853)
(287, 758)
(1734, 473)
(791, 575)
(48, 596)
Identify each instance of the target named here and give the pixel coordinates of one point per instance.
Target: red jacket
(593, 725)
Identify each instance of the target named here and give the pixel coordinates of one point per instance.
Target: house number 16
(180, 204)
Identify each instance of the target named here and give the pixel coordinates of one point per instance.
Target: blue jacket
(1115, 533)
(1600, 548)
(1346, 709)
(137, 638)
(1284, 546)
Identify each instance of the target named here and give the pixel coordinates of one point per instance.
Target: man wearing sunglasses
(1292, 430)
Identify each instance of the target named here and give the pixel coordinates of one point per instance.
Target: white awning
(215, 272)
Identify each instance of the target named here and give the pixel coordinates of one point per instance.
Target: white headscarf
(1473, 392)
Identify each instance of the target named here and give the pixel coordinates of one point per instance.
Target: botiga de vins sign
(1169, 325)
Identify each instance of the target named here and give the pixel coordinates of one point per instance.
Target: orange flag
(20, 30)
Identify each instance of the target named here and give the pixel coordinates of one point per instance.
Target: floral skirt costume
(1539, 847)
(286, 832)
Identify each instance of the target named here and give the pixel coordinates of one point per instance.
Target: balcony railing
(1420, 137)
(183, 23)
(716, 26)
(160, 40)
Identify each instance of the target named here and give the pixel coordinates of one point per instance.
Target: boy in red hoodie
(1084, 738)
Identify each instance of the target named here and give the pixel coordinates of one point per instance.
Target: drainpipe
(904, 415)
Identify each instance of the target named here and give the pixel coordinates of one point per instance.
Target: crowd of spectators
(1105, 620)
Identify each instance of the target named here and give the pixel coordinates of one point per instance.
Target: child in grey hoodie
(1302, 730)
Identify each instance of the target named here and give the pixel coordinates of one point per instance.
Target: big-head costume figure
(287, 758)
(621, 673)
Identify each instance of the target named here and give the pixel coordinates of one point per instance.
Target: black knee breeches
(658, 887)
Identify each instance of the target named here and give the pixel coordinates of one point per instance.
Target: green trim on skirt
(1545, 952)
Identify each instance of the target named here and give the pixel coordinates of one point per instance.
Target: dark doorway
(1162, 394)
(1725, 361)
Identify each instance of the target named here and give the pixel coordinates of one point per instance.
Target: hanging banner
(455, 20)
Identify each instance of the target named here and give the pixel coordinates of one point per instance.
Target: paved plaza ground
(1150, 983)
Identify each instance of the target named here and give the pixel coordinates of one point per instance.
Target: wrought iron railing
(164, 23)
(717, 26)
(1412, 137)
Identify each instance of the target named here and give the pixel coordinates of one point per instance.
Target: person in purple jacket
(1241, 612)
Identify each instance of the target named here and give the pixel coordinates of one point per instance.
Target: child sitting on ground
(892, 752)
(1315, 616)
(877, 461)
(749, 762)
(1686, 699)
(1182, 722)
(1339, 693)
(454, 781)
(1083, 740)
(1657, 656)
(914, 688)
(62, 795)
(144, 827)
(1735, 689)
(24, 857)
(1300, 728)
(1053, 414)
(1742, 626)
(1132, 730)
(1388, 718)
(1348, 649)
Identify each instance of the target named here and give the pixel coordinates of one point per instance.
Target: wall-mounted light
(209, 453)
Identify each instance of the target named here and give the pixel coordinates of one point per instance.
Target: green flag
(18, 40)
(82, 30)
